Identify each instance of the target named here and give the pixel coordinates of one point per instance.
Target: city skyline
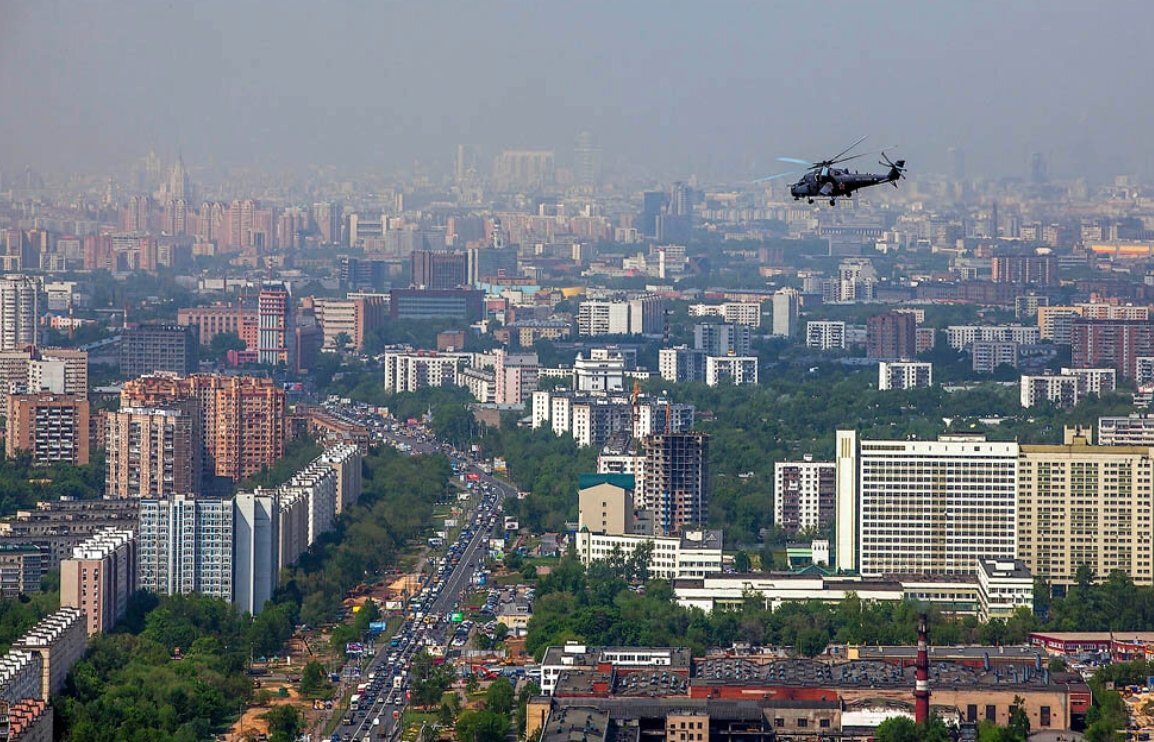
(688, 91)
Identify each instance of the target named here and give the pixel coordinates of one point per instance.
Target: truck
(397, 680)
(355, 702)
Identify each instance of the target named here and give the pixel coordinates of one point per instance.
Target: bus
(355, 702)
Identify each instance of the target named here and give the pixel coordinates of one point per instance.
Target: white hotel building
(924, 507)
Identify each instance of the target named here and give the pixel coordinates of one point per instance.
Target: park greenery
(22, 484)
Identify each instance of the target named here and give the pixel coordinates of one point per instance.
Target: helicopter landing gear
(833, 202)
(810, 200)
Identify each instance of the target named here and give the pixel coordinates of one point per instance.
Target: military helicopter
(823, 180)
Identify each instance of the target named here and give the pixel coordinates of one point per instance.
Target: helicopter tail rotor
(897, 169)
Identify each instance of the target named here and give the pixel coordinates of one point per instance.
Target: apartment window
(991, 712)
(823, 723)
(779, 722)
(802, 723)
(1044, 716)
(972, 712)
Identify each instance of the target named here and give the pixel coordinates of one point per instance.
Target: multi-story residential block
(242, 418)
(21, 677)
(148, 349)
(275, 332)
(255, 542)
(738, 313)
(19, 311)
(593, 420)
(1136, 429)
(825, 335)
(905, 375)
(675, 489)
(804, 494)
(960, 337)
(153, 452)
(891, 336)
(345, 461)
(59, 640)
(1068, 388)
(515, 377)
(1109, 343)
(1080, 504)
(681, 364)
(21, 568)
(785, 312)
(737, 370)
(52, 428)
(924, 507)
(643, 315)
(185, 545)
(221, 319)
(987, 355)
(353, 320)
(100, 577)
(1037, 270)
(59, 370)
(723, 339)
(1056, 322)
(599, 373)
(410, 370)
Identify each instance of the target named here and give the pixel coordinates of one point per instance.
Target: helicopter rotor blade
(795, 161)
(847, 149)
(778, 175)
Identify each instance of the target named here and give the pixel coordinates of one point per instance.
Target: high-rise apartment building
(186, 546)
(255, 540)
(825, 335)
(100, 578)
(723, 339)
(924, 506)
(1131, 430)
(52, 428)
(642, 315)
(736, 370)
(1111, 343)
(676, 483)
(681, 364)
(410, 370)
(904, 375)
(153, 452)
(19, 311)
(515, 377)
(804, 494)
(891, 336)
(785, 312)
(149, 349)
(1080, 504)
(242, 418)
(275, 334)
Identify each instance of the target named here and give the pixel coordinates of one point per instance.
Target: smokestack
(922, 674)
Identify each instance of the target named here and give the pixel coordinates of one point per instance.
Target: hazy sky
(676, 87)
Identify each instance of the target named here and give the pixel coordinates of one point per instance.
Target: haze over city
(667, 90)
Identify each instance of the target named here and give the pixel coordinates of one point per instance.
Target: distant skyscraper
(586, 160)
(439, 270)
(1039, 171)
(19, 311)
(275, 319)
(957, 163)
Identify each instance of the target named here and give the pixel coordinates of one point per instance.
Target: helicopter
(823, 180)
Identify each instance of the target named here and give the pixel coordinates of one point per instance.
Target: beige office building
(1082, 504)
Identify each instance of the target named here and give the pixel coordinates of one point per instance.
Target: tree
(741, 562)
(1019, 726)
(284, 722)
(500, 697)
(342, 341)
(313, 679)
(482, 726)
(897, 729)
(472, 684)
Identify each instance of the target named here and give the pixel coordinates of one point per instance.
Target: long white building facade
(924, 507)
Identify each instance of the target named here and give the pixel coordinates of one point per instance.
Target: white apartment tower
(19, 311)
(925, 507)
